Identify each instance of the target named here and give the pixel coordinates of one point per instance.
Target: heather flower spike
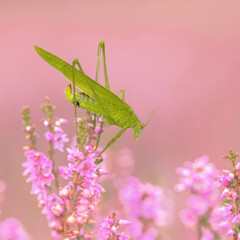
(29, 129)
(68, 206)
(148, 208)
(199, 179)
(231, 193)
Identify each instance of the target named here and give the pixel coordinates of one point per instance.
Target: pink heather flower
(236, 219)
(199, 178)
(98, 129)
(237, 167)
(48, 136)
(61, 121)
(58, 138)
(87, 189)
(225, 179)
(145, 201)
(38, 167)
(199, 204)
(189, 217)
(230, 212)
(12, 229)
(207, 235)
(229, 194)
(65, 191)
(53, 207)
(219, 218)
(109, 229)
(63, 172)
(74, 155)
(230, 232)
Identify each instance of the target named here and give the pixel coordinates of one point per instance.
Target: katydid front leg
(120, 133)
(101, 46)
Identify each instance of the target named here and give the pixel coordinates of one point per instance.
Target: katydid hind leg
(101, 48)
(113, 140)
(123, 93)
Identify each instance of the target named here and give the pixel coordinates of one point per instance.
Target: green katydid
(95, 98)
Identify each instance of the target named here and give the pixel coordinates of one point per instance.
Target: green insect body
(117, 109)
(94, 97)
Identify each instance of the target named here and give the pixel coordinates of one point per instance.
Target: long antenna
(201, 59)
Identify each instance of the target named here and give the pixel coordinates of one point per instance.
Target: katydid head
(137, 130)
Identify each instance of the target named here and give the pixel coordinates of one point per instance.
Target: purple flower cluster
(230, 211)
(72, 205)
(82, 193)
(12, 228)
(38, 167)
(147, 207)
(57, 137)
(199, 179)
(109, 228)
(68, 206)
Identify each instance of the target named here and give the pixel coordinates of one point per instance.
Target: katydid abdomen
(116, 113)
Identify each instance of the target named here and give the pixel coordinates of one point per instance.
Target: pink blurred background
(149, 46)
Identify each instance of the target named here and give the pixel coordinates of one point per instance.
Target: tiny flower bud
(57, 123)
(102, 172)
(41, 203)
(28, 136)
(91, 221)
(237, 166)
(57, 209)
(63, 120)
(45, 123)
(123, 222)
(79, 120)
(28, 128)
(86, 193)
(60, 228)
(64, 192)
(88, 235)
(48, 136)
(25, 148)
(89, 148)
(58, 129)
(75, 232)
(71, 220)
(82, 219)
